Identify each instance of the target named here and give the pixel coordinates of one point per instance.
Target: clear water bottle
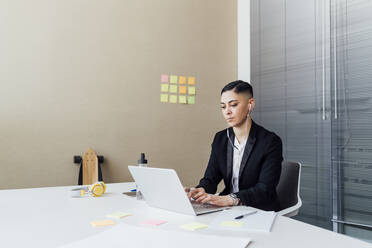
(142, 162)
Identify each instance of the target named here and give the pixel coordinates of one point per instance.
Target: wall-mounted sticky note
(164, 87)
(102, 223)
(182, 80)
(154, 222)
(231, 223)
(191, 90)
(191, 80)
(182, 99)
(194, 226)
(191, 99)
(164, 78)
(118, 215)
(173, 99)
(164, 98)
(173, 88)
(173, 79)
(182, 89)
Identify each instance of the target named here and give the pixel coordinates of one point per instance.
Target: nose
(227, 111)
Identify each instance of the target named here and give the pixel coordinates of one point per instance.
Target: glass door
(351, 52)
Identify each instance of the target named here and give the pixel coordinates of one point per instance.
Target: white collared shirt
(237, 160)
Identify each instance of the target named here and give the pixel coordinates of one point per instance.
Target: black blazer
(259, 170)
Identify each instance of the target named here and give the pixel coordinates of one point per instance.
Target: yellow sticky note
(182, 80)
(173, 79)
(173, 99)
(173, 89)
(164, 87)
(191, 100)
(191, 80)
(182, 99)
(231, 224)
(191, 90)
(164, 98)
(118, 215)
(102, 223)
(182, 89)
(194, 226)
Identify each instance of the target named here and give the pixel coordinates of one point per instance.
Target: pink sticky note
(164, 78)
(154, 222)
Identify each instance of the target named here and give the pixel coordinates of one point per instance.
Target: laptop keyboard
(200, 207)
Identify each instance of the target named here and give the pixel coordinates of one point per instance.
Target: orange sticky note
(182, 89)
(192, 80)
(102, 223)
(182, 80)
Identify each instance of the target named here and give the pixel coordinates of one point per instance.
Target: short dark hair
(238, 87)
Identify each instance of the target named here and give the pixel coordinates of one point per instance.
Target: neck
(242, 130)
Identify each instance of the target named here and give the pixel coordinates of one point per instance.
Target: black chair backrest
(287, 188)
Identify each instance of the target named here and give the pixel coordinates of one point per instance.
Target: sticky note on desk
(191, 90)
(164, 87)
(194, 226)
(191, 80)
(164, 78)
(173, 79)
(102, 223)
(232, 224)
(154, 222)
(164, 98)
(118, 215)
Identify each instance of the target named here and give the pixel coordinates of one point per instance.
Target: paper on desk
(118, 215)
(261, 221)
(102, 223)
(194, 226)
(154, 222)
(123, 235)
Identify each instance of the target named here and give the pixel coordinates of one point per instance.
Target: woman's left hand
(220, 201)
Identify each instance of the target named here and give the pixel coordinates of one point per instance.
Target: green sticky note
(194, 226)
(231, 224)
(173, 79)
(173, 88)
(173, 99)
(182, 99)
(191, 90)
(191, 100)
(164, 87)
(164, 98)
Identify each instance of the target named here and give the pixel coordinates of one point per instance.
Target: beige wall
(86, 73)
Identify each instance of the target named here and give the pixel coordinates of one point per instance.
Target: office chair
(288, 189)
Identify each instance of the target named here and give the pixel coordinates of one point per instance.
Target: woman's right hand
(197, 194)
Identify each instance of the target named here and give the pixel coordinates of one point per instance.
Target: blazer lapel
(230, 152)
(248, 147)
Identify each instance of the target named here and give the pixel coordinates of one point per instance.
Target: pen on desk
(243, 215)
(133, 190)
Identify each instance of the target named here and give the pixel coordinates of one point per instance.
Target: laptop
(161, 188)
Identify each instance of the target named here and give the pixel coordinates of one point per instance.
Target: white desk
(49, 217)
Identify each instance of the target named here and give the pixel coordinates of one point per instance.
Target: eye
(234, 105)
(223, 107)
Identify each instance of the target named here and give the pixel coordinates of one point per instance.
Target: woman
(245, 156)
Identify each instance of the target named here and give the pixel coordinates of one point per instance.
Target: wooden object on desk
(90, 167)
